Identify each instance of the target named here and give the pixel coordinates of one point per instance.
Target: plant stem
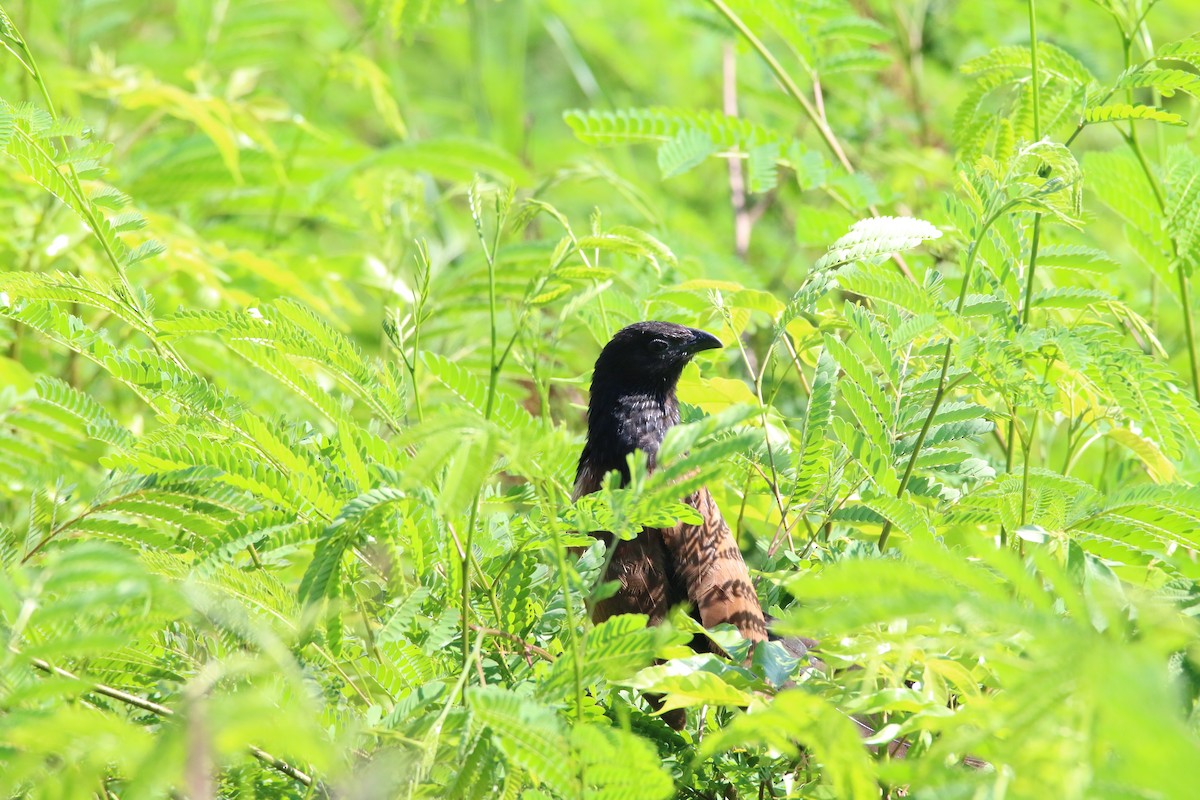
(1189, 328)
(1027, 302)
(560, 552)
(1027, 306)
(1035, 78)
(1026, 450)
(489, 254)
(941, 388)
(811, 111)
(1184, 288)
(789, 85)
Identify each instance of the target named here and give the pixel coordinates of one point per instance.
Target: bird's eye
(658, 345)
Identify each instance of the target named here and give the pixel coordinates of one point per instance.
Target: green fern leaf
(811, 455)
(875, 461)
(7, 125)
(529, 735)
(66, 287)
(472, 391)
(685, 138)
(797, 717)
(321, 578)
(397, 624)
(762, 166)
(888, 286)
(870, 329)
(76, 405)
(875, 238)
(618, 765)
(1186, 50)
(866, 387)
(615, 649)
(1077, 258)
(688, 149)
(1016, 58)
(1071, 297)
(1165, 81)
(1117, 112)
(854, 61)
(1182, 183)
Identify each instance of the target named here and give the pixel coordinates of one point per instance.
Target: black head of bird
(649, 356)
(633, 391)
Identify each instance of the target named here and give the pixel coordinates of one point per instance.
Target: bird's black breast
(620, 424)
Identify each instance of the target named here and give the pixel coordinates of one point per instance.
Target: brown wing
(664, 567)
(648, 585)
(707, 561)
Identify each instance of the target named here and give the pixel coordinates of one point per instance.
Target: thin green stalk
(466, 581)
(489, 254)
(1027, 306)
(1035, 77)
(1027, 449)
(1035, 81)
(789, 85)
(560, 551)
(1189, 328)
(1031, 272)
(812, 112)
(1184, 288)
(946, 358)
(29, 61)
(459, 694)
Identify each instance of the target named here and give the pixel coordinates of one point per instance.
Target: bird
(631, 407)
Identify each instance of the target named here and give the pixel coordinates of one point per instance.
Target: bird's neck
(622, 422)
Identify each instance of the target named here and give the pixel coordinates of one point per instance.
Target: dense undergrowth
(299, 302)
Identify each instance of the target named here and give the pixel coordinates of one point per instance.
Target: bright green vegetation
(298, 305)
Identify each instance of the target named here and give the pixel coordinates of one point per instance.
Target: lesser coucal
(632, 405)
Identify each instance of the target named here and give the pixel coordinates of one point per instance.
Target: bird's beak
(701, 340)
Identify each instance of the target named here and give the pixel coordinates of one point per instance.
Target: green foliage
(298, 305)
(686, 139)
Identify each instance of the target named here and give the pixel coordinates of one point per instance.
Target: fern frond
(685, 138)
(68, 401)
(1119, 112)
(1165, 81)
(1186, 50)
(1071, 297)
(1076, 257)
(875, 238)
(639, 125)
(863, 394)
(66, 287)
(811, 454)
(904, 515)
(1016, 58)
(887, 286)
(321, 578)
(472, 391)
